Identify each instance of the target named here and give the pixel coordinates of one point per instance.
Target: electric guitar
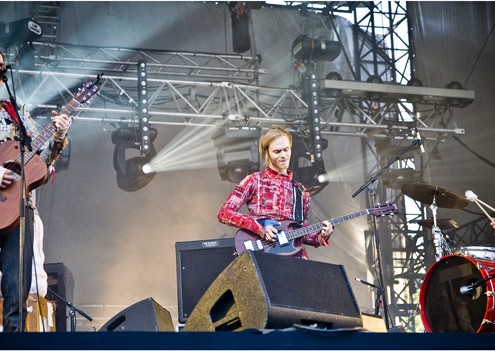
(35, 168)
(247, 240)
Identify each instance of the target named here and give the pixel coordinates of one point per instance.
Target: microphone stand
(370, 186)
(72, 311)
(380, 291)
(24, 141)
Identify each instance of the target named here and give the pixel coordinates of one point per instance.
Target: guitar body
(36, 173)
(287, 249)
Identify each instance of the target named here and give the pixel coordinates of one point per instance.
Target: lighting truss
(196, 103)
(123, 62)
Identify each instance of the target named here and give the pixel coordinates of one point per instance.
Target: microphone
(3, 70)
(380, 288)
(469, 289)
(420, 142)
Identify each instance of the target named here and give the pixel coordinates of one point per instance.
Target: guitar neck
(314, 228)
(46, 133)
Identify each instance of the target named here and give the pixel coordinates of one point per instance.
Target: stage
(287, 339)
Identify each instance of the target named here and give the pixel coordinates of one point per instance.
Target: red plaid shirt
(267, 194)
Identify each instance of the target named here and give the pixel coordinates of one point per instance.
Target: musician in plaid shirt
(270, 194)
(10, 237)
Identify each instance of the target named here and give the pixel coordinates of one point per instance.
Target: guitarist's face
(279, 154)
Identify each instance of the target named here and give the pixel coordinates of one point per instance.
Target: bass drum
(442, 306)
(479, 252)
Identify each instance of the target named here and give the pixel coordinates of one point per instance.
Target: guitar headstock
(87, 91)
(383, 210)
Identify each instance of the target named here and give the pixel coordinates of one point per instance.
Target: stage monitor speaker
(145, 315)
(61, 282)
(198, 264)
(267, 291)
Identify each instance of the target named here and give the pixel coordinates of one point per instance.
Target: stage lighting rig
(305, 48)
(19, 32)
(307, 170)
(237, 154)
(130, 173)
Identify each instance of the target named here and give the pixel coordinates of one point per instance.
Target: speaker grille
(198, 264)
(309, 285)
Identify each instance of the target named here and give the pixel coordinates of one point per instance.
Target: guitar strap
(298, 212)
(7, 106)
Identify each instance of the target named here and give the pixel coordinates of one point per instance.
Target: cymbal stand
(439, 240)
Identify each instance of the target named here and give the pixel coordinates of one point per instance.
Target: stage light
(334, 93)
(454, 101)
(19, 32)
(237, 154)
(143, 106)
(305, 48)
(132, 174)
(308, 170)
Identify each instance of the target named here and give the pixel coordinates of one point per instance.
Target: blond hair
(268, 137)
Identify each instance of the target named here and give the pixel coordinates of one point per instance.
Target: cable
(479, 55)
(484, 159)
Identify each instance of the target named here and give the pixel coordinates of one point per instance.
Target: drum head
(444, 308)
(480, 252)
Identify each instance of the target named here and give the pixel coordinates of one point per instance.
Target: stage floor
(289, 339)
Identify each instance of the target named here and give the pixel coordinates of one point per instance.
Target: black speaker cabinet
(198, 264)
(61, 282)
(267, 291)
(145, 315)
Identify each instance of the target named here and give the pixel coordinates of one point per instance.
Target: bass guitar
(288, 231)
(35, 168)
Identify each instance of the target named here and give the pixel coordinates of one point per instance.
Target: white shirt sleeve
(38, 259)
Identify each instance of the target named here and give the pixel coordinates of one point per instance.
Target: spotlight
(19, 32)
(146, 169)
(454, 101)
(237, 170)
(306, 48)
(375, 80)
(237, 154)
(132, 173)
(308, 170)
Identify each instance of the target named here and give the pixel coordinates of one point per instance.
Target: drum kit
(457, 294)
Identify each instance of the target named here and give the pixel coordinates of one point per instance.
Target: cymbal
(425, 193)
(443, 224)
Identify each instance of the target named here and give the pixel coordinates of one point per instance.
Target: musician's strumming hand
(492, 223)
(270, 233)
(326, 231)
(7, 177)
(62, 122)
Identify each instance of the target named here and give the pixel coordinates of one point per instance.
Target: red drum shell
(443, 308)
